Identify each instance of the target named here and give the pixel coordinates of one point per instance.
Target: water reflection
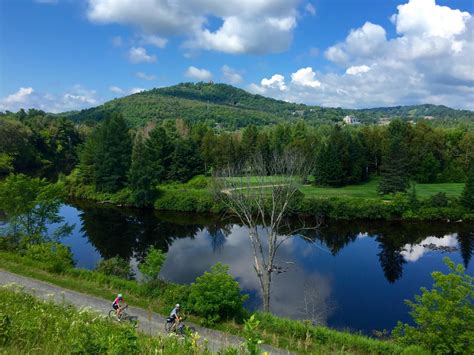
(331, 279)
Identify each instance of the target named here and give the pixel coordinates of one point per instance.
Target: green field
(369, 190)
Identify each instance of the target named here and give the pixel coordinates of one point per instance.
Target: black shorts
(115, 306)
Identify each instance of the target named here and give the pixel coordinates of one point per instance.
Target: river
(347, 275)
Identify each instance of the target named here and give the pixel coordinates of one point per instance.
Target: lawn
(369, 190)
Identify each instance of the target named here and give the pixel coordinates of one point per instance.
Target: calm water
(348, 275)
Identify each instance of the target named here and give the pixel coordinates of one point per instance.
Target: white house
(350, 120)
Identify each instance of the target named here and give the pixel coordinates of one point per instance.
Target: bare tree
(261, 194)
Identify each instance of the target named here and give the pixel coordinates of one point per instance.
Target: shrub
(115, 266)
(444, 316)
(439, 200)
(216, 295)
(151, 266)
(198, 182)
(57, 257)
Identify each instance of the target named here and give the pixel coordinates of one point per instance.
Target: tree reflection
(128, 232)
(466, 246)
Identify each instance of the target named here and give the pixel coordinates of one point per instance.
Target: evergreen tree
(87, 162)
(159, 148)
(395, 164)
(467, 197)
(249, 141)
(113, 155)
(328, 168)
(331, 160)
(185, 161)
(140, 177)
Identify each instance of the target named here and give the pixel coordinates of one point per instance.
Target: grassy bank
(28, 325)
(294, 335)
(434, 201)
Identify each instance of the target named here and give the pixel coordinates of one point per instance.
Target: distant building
(298, 112)
(350, 120)
(384, 121)
(429, 118)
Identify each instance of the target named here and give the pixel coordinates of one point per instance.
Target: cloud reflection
(413, 252)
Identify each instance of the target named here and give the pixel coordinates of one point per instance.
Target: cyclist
(174, 316)
(118, 305)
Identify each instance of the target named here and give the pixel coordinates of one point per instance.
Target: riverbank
(282, 333)
(429, 203)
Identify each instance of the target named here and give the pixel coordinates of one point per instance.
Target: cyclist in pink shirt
(117, 305)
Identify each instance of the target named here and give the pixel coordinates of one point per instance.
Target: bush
(57, 257)
(151, 266)
(439, 200)
(115, 266)
(216, 295)
(444, 316)
(198, 182)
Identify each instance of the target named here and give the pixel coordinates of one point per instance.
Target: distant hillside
(232, 108)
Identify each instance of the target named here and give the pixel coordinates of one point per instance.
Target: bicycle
(124, 316)
(178, 328)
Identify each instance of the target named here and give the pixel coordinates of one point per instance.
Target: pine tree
(113, 155)
(140, 177)
(185, 161)
(158, 150)
(328, 168)
(395, 163)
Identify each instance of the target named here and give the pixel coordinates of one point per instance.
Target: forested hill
(232, 108)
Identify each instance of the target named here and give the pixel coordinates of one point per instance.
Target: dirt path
(148, 322)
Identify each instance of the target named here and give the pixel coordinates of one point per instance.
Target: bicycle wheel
(112, 314)
(168, 326)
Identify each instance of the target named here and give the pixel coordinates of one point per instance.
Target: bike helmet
(177, 305)
(119, 296)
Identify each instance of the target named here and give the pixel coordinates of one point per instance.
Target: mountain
(232, 108)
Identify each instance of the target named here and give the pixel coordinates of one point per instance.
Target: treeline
(115, 157)
(35, 143)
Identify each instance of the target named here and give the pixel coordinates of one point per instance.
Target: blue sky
(66, 54)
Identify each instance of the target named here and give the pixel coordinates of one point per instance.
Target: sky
(62, 55)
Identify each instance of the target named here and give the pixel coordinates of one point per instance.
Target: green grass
(293, 335)
(369, 190)
(31, 326)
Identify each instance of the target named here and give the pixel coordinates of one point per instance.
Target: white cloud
(116, 89)
(310, 9)
(136, 90)
(277, 81)
(117, 41)
(198, 74)
(18, 97)
(426, 19)
(153, 40)
(75, 98)
(139, 55)
(305, 77)
(230, 75)
(428, 61)
(357, 69)
(145, 76)
(368, 40)
(248, 26)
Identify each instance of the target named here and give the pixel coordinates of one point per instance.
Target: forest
(226, 107)
(115, 157)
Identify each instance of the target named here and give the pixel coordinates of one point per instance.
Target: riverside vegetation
(450, 304)
(148, 161)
